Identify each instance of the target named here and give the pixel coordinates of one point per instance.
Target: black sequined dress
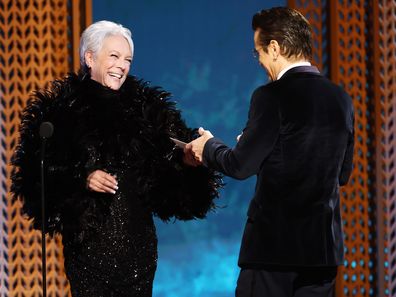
(110, 242)
(119, 255)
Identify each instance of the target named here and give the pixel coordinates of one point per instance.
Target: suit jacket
(298, 140)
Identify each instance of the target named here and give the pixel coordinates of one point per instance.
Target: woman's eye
(114, 55)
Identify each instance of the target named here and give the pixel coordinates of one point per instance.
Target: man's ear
(274, 49)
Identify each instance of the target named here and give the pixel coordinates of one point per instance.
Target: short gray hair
(93, 36)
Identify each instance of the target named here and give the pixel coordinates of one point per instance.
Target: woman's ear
(88, 58)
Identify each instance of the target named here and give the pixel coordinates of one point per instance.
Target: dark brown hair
(288, 27)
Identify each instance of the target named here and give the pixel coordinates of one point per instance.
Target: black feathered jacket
(124, 132)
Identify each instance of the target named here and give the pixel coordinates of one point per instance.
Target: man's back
(298, 140)
(294, 216)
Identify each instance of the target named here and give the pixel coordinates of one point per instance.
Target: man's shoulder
(291, 87)
(268, 92)
(304, 82)
(264, 91)
(264, 96)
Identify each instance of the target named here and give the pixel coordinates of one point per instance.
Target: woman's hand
(100, 181)
(239, 137)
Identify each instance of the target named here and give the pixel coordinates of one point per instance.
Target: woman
(110, 167)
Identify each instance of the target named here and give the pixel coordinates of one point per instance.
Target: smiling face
(110, 66)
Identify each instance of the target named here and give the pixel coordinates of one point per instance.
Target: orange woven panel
(384, 91)
(348, 39)
(35, 47)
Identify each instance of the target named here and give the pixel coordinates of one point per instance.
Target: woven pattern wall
(36, 46)
(361, 58)
(348, 39)
(383, 46)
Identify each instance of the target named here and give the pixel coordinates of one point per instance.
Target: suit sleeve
(256, 143)
(347, 163)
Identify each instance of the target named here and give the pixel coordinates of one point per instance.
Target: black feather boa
(124, 132)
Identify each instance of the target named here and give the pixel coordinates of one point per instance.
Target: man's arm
(254, 146)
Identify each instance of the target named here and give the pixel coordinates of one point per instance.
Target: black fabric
(99, 128)
(286, 282)
(298, 140)
(110, 242)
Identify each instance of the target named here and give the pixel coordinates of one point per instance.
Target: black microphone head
(46, 129)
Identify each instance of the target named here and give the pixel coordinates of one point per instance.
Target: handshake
(193, 151)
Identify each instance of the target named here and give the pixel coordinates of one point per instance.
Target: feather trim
(98, 128)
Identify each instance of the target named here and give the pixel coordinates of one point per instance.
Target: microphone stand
(46, 130)
(43, 219)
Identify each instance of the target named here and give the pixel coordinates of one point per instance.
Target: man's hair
(92, 39)
(288, 27)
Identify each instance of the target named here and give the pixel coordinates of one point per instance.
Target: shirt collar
(292, 66)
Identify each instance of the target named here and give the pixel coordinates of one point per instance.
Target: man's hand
(189, 159)
(195, 147)
(100, 181)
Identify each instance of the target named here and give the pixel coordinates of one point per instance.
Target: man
(298, 140)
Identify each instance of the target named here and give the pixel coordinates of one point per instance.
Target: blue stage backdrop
(200, 51)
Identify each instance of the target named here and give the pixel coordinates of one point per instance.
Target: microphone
(46, 131)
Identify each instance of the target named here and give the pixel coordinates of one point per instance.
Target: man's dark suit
(299, 142)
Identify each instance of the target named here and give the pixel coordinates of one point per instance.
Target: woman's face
(110, 66)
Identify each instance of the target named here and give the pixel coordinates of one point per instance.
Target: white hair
(92, 38)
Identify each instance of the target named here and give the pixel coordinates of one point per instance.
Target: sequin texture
(119, 256)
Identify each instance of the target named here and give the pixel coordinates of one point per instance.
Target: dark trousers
(286, 282)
